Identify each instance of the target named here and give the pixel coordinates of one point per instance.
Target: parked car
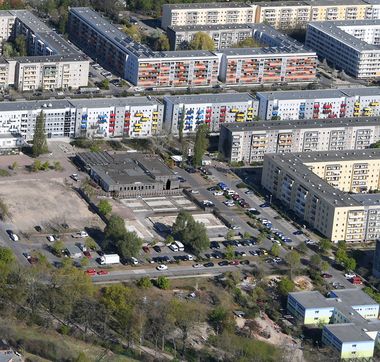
(326, 275)
(162, 267)
(75, 177)
(214, 245)
(91, 272)
(38, 228)
(249, 192)
(102, 272)
(349, 275)
(223, 263)
(157, 249)
(12, 235)
(87, 254)
(356, 280)
(208, 265)
(146, 249)
(50, 238)
(196, 266)
(234, 262)
(218, 193)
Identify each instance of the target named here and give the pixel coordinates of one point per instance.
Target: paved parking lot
(159, 204)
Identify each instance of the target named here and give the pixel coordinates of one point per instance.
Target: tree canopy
(202, 41)
(39, 138)
(192, 233)
(201, 144)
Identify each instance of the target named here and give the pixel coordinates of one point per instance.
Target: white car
(195, 192)
(81, 234)
(134, 261)
(189, 257)
(197, 266)
(162, 267)
(50, 238)
(218, 193)
(310, 242)
(349, 275)
(14, 237)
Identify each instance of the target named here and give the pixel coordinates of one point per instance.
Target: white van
(173, 247)
(134, 261)
(230, 192)
(180, 246)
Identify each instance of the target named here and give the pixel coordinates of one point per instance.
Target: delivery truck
(109, 259)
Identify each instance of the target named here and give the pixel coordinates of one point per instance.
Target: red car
(102, 272)
(146, 249)
(91, 272)
(234, 262)
(87, 254)
(326, 275)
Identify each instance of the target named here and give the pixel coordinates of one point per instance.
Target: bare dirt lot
(46, 203)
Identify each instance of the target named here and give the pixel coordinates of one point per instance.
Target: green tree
(82, 358)
(104, 207)
(14, 166)
(247, 43)
(129, 245)
(230, 252)
(302, 248)
(230, 235)
(191, 233)
(202, 41)
(84, 262)
(315, 261)
(325, 245)
(293, 260)
(105, 84)
(169, 240)
(115, 229)
(247, 235)
(162, 43)
(20, 43)
(45, 166)
(163, 283)
(220, 319)
(349, 263)
(133, 32)
(144, 283)
(39, 138)
(201, 144)
(324, 266)
(6, 256)
(57, 166)
(285, 286)
(8, 50)
(275, 250)
(57, 247)
(90, 243)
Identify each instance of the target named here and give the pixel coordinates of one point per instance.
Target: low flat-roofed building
(130, 174)
(350, 319)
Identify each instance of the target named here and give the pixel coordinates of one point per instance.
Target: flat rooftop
(219, 5)
(301, 124)
(265, 51)
(72, 103)
(295, 165)
(211, 27)
(348, 332)
(335, 30)
(210, 98)
(312, 299)
(126, 168)
(318, 93)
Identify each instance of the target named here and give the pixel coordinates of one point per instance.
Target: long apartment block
(190, 111)
(207, 13)
(329, 190)
(51, 63)
(349, 318)
(350, 45)
(97, 117)
(224, 36)
(281, 15)
(249, 142)
(285, 60)
(319, 104)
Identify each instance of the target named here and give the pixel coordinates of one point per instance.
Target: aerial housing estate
(350, 319)
(51, 62)
(330, 190)
(284, 60)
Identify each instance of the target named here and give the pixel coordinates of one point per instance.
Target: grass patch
(44, 344)
(4, 173)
